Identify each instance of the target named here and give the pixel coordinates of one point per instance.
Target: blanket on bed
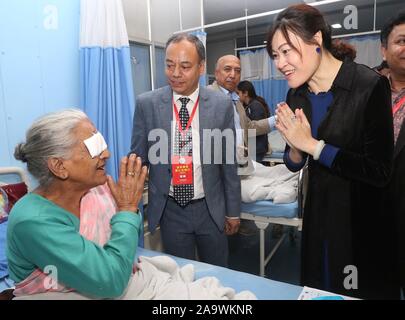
(275, 183)
(160, 278)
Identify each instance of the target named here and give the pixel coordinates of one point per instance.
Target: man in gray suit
(196, 202)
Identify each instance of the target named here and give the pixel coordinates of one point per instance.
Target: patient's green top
(41, 234)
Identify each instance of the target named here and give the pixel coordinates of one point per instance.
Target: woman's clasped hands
(295, 129)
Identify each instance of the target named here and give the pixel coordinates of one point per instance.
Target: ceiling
(216, 11)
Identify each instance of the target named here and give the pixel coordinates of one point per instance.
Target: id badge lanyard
(182, 166)
(398, 105)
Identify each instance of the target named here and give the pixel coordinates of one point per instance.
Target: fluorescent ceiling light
(336, 26)
(314, 3)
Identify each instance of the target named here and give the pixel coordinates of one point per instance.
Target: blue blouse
(320, 104)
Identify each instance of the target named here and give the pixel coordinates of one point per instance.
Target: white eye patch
(96, 144)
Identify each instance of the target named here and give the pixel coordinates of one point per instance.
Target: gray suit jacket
(154, 110)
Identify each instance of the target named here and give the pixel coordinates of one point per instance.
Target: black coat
(345, 223)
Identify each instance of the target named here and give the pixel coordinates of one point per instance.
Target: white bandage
(318, 149)
(96, 144)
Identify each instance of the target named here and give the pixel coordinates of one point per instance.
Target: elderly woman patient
(67, 155)
(83, 231)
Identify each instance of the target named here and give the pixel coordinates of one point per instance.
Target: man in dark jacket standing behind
(393, 51)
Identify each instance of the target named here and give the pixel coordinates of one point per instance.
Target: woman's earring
(318, 49)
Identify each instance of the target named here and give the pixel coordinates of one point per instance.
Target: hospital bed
(5, 282)
(264, 289)
(265, 212)
(8, 175)
(262, 213)
(261, 287)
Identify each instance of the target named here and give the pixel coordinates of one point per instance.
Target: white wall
(165, 18)
(216, 50)
(190, 13)
(136, 19)
(39, 66)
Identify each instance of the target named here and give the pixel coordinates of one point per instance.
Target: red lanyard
(398, 105)
(182, 132)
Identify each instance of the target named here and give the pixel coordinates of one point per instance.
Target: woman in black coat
(338, 117)
(256, 109)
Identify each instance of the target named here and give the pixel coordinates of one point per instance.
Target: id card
(182, 170)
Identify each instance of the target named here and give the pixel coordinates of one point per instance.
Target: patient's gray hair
(50, 136)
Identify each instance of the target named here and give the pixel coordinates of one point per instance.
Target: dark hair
(247, 86)
(190, 38)
(383, 65)
(342, 50)
(389, 26)
(305, 21)
(383, 68)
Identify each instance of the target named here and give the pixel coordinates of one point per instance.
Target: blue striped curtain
(258, 68)
(107, 94)
(105, 71)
